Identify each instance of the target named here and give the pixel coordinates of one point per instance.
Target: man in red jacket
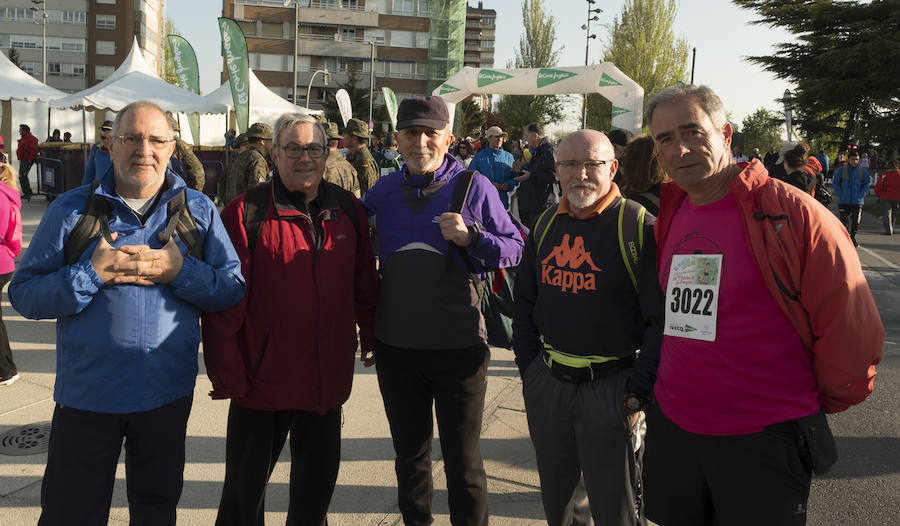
(888, 191)
(285, 353)
(769, 323)
(27, 152)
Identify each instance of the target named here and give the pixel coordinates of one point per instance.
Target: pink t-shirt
(756, 372)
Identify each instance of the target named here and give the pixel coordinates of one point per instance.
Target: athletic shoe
(8, 380)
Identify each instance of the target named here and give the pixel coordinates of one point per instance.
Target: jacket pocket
(262, 352)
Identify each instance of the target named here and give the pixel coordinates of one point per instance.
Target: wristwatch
(633, 403)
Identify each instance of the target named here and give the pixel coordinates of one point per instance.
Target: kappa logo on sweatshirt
(573, 257)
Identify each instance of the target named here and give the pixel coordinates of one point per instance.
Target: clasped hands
(137, 264)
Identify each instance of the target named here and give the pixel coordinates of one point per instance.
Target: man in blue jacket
(127, 328)
(430, 335)
(496, 164)
(851, 184)
(98, 160)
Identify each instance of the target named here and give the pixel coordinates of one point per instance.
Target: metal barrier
(51, 176)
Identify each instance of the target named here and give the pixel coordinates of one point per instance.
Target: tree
(359, 99)
(536, 50)
(844, 62)
(762, 129)
(168, 63)
(13, 57)
(471, 117)
(643, 45)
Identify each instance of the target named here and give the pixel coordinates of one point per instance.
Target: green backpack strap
(631, 235)
(180, 219)
(94, 222)
(542, 226)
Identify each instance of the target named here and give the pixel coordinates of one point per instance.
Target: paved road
(862, 489)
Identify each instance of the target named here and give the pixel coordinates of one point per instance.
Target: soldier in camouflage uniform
(356, 136)
(184, 162)
(338, 170)
(251, 167)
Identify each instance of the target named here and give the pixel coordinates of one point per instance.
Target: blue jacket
(97, 165)
(496, 165)
(125, 348)
(850, 188)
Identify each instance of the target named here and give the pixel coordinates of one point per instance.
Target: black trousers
(24, 168)
(254, 442)
(742, 480)
(454, 381)
(850, 217)
(7, 365)
(84, 451)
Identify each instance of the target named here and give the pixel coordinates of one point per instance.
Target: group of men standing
(733, 322)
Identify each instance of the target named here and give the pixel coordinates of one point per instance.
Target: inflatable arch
(626, 95)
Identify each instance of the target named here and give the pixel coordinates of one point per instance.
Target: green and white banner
(237, 64)
(188, 74)
(390, 102)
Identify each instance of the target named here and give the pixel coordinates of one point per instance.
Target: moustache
(421, 152)
(581, 184)
(144, 160)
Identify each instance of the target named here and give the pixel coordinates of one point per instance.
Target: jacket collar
(450, 167)
(598, 207)
(172, 185)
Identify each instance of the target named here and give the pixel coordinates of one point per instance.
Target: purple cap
(429, 112)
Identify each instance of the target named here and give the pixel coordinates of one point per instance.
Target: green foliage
(762, 129)
(844, 62)
(470, 118)
(643, 45)
(359, 100)
(536, 50)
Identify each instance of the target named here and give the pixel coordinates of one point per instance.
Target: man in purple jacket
(430, 335)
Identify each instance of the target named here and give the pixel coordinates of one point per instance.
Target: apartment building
(86, 39)
(417, 44)
(480, 32)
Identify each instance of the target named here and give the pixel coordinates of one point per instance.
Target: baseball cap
(429, 112)
(495, 131)
(107, 125)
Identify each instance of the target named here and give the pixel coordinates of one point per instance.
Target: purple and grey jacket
(427, 299)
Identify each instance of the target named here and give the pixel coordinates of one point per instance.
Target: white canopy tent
(626, 95)
(136, 80)
(265, 106)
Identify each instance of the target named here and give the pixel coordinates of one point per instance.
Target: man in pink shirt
(769, 324)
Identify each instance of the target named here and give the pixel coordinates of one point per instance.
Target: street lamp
(587, 44)
(788, 112)
(325, 76)
(371, 78)
(296, 25)
(43, 23)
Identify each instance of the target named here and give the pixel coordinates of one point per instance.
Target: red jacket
(28, 147)
(813, 272)
(888, 185)
(290, 342)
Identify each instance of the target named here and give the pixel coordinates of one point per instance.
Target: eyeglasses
(295, 151)
(135, 140)
(589, 166)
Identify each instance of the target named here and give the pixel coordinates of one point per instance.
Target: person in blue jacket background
(496, 164)
(127, 329)
(98, 159)
(851, 184)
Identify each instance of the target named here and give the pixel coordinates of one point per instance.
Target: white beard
(582, 196)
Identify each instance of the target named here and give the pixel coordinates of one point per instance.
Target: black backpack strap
(347, 204)
(180, 219)
(94, 221)
(256, 202)
(457, 203)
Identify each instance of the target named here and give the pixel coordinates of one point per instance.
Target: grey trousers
(888, 214)
(585, 449)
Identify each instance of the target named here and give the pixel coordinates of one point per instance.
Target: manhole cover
(30, 439)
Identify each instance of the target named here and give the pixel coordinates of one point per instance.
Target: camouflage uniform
(248, 169)
(341, 173)
(193, 168)
(366, 168)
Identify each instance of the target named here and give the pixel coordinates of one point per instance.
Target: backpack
(13, 241)
(630, 228)
(94, 222)
(496, 290)
(256, 203)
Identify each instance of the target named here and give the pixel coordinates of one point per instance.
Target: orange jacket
(812, 270)
(888, 185)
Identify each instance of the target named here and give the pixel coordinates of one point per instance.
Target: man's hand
(152, 266)
(106, 261)
(367, 358)
(454, 229)
(526, 175)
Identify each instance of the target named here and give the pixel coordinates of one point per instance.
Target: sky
(721, 32)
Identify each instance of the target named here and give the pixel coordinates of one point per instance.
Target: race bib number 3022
(692, 296)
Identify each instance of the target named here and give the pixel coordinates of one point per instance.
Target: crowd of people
(658, 281)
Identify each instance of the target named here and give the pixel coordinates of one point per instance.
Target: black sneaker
(8, 380)
(855, 242)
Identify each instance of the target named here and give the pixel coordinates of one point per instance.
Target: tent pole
(84, 135)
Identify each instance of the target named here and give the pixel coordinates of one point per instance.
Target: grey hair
(709, 101)
(535, 127)
(135, 105)
(290, 120)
